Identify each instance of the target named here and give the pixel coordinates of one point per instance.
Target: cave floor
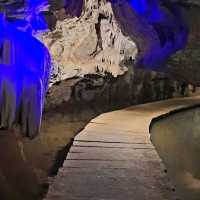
(114, 159)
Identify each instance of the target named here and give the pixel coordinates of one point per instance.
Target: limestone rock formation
(90, 44)
(97, 36)
(108, 32)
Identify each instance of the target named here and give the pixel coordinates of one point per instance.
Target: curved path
(113, 158)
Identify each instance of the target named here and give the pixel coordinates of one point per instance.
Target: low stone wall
(135, 87)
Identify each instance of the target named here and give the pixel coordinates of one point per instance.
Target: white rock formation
(91, 44)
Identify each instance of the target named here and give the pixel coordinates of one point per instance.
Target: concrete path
(113, 158)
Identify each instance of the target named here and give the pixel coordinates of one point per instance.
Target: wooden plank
(111, 138)
(108, 164)
(119, 145)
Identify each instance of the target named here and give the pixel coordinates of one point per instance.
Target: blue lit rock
(24, 75)
(158, 27)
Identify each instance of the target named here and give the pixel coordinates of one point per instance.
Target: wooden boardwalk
(113, 158)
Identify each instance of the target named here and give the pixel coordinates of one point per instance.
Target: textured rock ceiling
(72, 7)
(57, 9)
(62, 9)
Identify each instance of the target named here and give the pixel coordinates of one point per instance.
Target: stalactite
(24, 75)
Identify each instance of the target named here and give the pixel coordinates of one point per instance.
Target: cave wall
(184, 66)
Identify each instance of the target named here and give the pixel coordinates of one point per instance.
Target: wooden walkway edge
(113, 158)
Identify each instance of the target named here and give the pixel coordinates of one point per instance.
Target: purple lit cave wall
(26, 15)
(158, 27)
(24, 71)
(74, 8)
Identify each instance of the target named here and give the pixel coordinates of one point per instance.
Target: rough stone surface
(92, 25)
(135, 86)
(184, 66)
(90, 44)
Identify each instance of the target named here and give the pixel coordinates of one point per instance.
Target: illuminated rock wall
(90, 44)
(158, 27)
(104, 34)
(93, 37)
(24, 75)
